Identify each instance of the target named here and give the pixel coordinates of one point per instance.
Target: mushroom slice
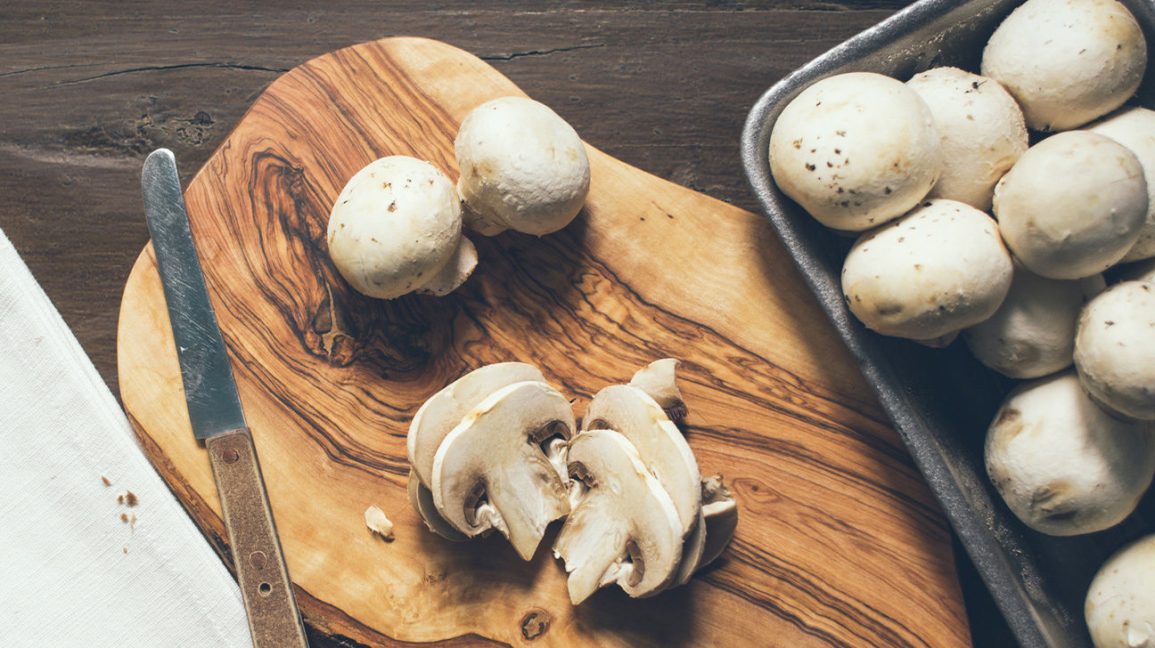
(721, 514)
(657, 380)
(660, 444)
(445, 409)
(492, 473)
(625, 528)
(421, 499)
(692, 550)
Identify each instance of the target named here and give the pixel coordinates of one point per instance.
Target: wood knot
(535, 623)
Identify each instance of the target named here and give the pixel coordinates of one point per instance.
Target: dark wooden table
(87, 89)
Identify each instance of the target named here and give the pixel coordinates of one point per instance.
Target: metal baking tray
(941, 401)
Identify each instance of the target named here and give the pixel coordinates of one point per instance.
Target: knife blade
(215, 411)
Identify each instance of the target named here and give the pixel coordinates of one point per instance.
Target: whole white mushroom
(1067, 61)
(1135, 129)
(936, 270)
(855, 150)
(1115, 349)
(522, 168)
(396, 229)
(1032, 333)
(1062, 464)
(1120, 604)
(1072, 205)
(982, 131)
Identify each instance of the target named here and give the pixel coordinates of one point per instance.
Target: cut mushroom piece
(692, 550)
(492, 473)
(664, 451)
(445, 409)
(720, 511)
(658, 380)
(625, 529)
(421, 499)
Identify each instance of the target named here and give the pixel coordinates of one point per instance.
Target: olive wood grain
(839, 541)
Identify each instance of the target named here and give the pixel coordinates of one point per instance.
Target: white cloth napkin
(83, 562)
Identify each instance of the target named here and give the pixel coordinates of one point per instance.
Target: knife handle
(274, 619)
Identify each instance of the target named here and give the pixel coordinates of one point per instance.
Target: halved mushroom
(491, 471)
(421, 499)
(664, 451)
(625, 529)
(658, 380)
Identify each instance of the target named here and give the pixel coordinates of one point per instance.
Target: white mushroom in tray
(522, 168)
(1032, 334)
(1135, 129)
(491, 472)
(855, 150)
(1067, 62)
(940, 268)
(1120, 604)
(1062, 464)
(982, 131)
(1073, 205)
(396, 229)
(1115, 349)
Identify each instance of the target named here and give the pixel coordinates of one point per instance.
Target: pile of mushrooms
(396, 227)
(498, 450)
(964, 228)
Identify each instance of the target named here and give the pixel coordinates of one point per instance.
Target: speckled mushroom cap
(1135, 129)
(1067, 61)
(1115, 349)
(394, 226)
(1120, 604)
(1072, 205)
(855, 150)
(940, 268)
(1062, 464)
(982, 131)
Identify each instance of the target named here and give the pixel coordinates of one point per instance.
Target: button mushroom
(1073, 205)
(1067, 61)
(855, 150)
(1120, 605)
(1115, 349)
(1135, 129)
(940, 268)
(624, 529)
(1063, 465)
(981, 128)
(1032, 334)
(396, 228)
(491, 473)
(522, 168)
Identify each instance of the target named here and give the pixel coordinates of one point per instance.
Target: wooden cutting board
(839, 541)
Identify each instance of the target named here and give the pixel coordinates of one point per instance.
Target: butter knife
(214, 409)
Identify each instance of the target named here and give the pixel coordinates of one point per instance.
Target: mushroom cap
(1072, 205)
(855, 150)
(522, 168)
(1062, 464)
(940, 268)
(491, 473)
(1032, 334)
(1115, 349)
(624, 529)
(1067, 61)
(981, 129)
(437, 417)
(421, 499)
(1120, 604)
(395, 225)
(661, 446)
(1135, 129)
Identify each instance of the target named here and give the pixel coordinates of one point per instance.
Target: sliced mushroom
(421, 499)
(625, 529)
(721, 514)
(658, 380)
(663, 449)
(492, 473)
(445, 409)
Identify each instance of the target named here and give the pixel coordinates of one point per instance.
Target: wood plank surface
(839, 541)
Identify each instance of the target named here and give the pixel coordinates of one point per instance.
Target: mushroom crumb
(130, 498)
(104, 480)
(377, 522)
